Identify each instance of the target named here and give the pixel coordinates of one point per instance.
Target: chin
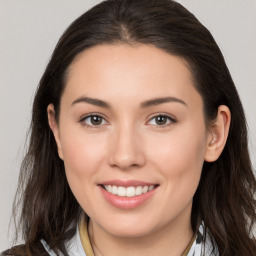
(129, 228)
(130, 233)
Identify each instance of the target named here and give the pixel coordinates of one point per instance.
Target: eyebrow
(145, 104)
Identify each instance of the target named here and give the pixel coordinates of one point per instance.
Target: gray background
(29, 30)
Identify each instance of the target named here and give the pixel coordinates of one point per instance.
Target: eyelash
(171, 119)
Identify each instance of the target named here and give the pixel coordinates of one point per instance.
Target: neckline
(87, 246)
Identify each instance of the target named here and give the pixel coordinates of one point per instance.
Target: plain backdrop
(29, 30)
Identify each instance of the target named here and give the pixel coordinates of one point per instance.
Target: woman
(138, 141)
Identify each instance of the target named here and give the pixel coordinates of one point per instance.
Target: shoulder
(22, 250)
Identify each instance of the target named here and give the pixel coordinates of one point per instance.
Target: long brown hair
(224, 199)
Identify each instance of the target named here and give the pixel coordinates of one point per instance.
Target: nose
(126, 149)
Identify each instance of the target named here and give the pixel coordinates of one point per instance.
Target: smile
(128, 191)
(127, 194)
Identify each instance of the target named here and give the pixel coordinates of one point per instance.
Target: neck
(171, 240)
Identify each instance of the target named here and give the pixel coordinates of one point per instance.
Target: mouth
(127, 194)
(131, 191)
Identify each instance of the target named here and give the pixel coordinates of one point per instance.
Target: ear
(54, 127)
(218, 134)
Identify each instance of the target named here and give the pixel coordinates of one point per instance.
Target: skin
(129, 144)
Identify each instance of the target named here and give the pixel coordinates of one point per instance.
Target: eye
(161, 120)
(93, 120)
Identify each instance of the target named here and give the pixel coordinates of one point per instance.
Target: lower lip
(123, 202)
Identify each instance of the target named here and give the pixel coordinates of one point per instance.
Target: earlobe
(218, 134)
(54, 127)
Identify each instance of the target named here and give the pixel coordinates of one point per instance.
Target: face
(132, 137)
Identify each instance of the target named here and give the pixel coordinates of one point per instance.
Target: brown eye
(93, 121)
(161, 120)
(96, 120)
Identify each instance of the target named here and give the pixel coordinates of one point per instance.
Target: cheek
(83, 155)
(81, 150)
(180, 157)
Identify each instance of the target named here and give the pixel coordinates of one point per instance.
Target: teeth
(121, 191)
(150, 187)
(145, 189)
(138, 190)
(109, 188)
(114, 190)
(129, 191)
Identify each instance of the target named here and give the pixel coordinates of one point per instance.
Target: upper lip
(127, 183)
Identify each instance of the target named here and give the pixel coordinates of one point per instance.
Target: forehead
(138, 71)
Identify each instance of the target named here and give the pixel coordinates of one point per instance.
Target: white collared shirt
(199, 248)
